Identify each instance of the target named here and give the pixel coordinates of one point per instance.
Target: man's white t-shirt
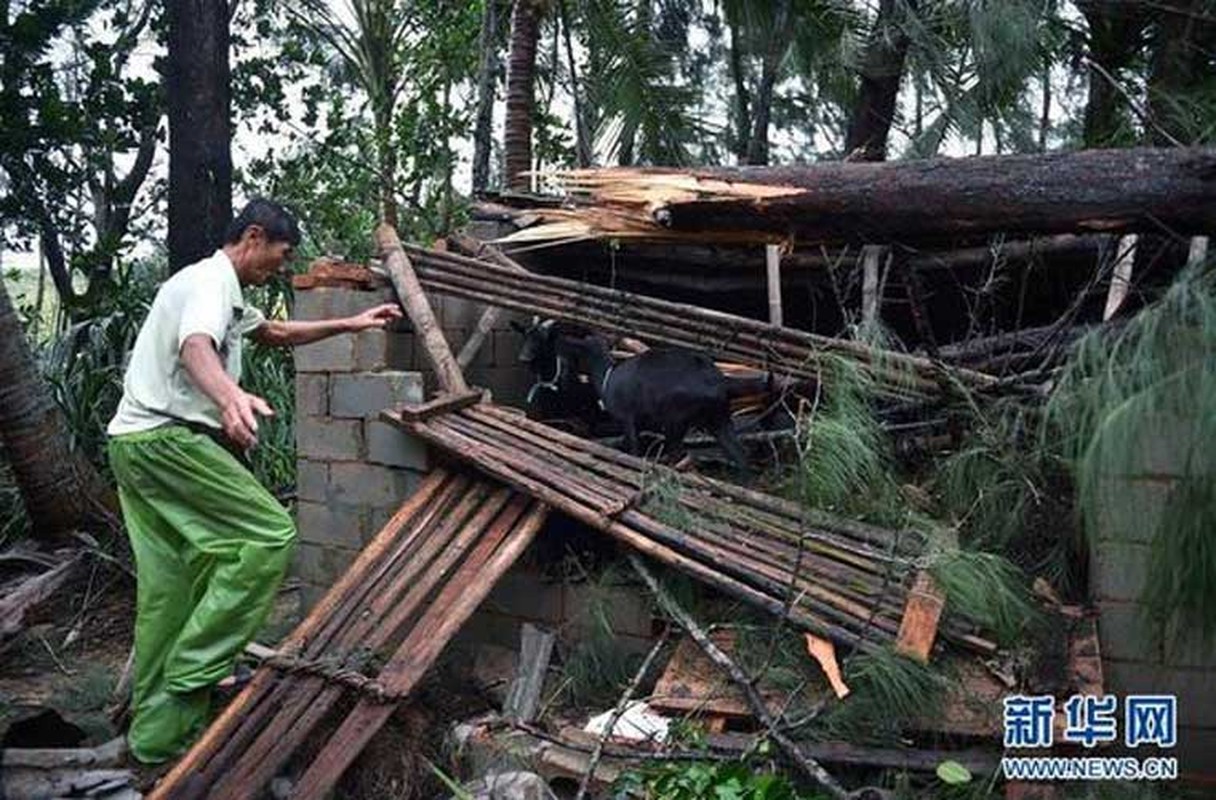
(204, 297)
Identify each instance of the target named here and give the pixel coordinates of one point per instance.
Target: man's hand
(239, 416)
(376, 317)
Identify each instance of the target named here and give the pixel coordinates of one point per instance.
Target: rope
(329, 670)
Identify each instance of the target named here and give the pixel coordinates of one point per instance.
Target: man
(211, 545)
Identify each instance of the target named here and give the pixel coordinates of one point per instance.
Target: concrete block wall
(353, 471)
(1137, 657)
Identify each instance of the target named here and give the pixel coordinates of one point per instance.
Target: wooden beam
(772, 264)
(441, 405)
(1120, 279)
(414, 300)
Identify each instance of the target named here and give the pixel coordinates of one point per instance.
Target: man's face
(268, 257)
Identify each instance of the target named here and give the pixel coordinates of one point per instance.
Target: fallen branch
(626, 696)
(30, 592)
(809, 766)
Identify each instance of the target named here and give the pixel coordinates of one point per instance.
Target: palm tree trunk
(881, 72)
(487, 79)
(61, 490)
(200, 151)
(521, 74)
(757, 149)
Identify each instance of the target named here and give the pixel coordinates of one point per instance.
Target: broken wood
(805, 762)
(104, 755)
(1121, 277)
(824, 652)
(414, 300)
(19, 601)
(26, 783)
(441, 405)
(617, 711)
(1106, 191)
(918, 630)
(523, 698)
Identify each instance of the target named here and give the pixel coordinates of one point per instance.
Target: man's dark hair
(279, 223)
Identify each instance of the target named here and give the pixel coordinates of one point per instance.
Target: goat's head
(539, 342)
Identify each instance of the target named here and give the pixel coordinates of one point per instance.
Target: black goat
(663, 391)
(557, 390)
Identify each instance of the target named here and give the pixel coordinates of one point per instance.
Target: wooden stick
(772, 265)
(498, 549)
(617, 711)
(441, 405)
(447, 372)
(805, 762)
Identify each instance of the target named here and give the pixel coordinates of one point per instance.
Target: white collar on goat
(604, 385)
(550, 384)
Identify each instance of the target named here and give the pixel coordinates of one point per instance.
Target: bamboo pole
(772, 264)
(447, 371)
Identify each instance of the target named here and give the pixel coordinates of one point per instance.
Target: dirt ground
(75, 646)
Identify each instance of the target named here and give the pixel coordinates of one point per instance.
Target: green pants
(211, 546)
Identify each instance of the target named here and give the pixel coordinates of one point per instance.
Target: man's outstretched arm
(288, 333)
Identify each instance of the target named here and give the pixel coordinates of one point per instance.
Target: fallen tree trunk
(1103, 191)
(15, 604)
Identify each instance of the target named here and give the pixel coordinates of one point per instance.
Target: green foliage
(987, 589)
(889, 693)
(844, 456)
(722, 780)
(596, 668)
(1134, 412)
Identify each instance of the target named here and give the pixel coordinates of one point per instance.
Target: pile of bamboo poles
(411, 588)
(785, 351)
(834, 577)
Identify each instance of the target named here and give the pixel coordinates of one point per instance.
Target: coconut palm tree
(60, 488)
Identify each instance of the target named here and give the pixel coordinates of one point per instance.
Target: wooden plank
(523, 698)
(772, 267)
(1121, 278)
(413, 298)
(237, 712)
(496, 552)
(918, 630)
(440, 405)
(385, 618)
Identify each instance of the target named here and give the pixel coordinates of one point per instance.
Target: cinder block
(369, 485)
(455, 338)
(625, 607)
(1119, 570)
(371, 350)
(366, 394)
(335, 354)
(1125, 633)
(459, 313)
(400, 352)
(312, 480)
(507, 344)
(327, 439)
(1190, 650)
(524, 595)
(349, 302)
(1194, 688)
(1134, 509)
(312, 304)
(312, 394)
(321, 566)
(331, 524)
(393, 447)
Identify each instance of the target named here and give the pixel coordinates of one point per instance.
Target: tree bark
(742, 106)
(60, 488)
(487, 79)
(882, 69)
(200, 155)
(521, 72)
(1107, 191)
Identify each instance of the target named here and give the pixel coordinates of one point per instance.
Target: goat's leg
(673, 441)
(729, 441)
(631, 436)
